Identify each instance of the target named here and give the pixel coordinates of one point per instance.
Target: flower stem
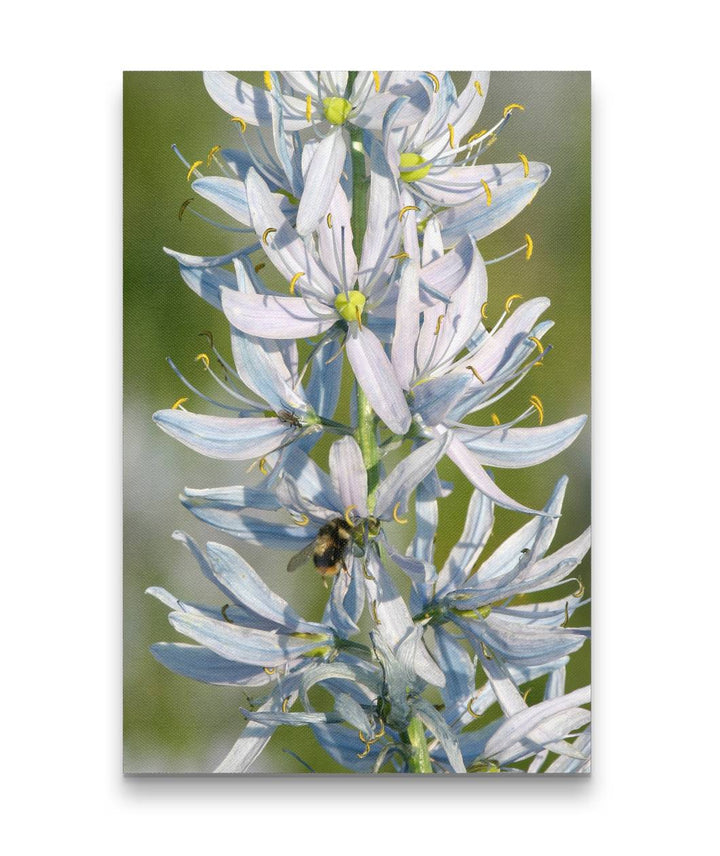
(419, 761)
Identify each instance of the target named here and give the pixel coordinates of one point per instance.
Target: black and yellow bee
(332, 543)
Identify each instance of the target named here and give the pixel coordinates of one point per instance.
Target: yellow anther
(358, 316)
(439, 323)
(526, 694)
(477, 136)
(529, 248)
(376, 78)
(373, 606)
(243, 123)
(486, 652)
(328, 220)
(184, 206)
(511, 107)
(508, 302)
(303, 520)
(526, 165)
(179, 403)
(567, 616)
(536, 342)
(483, 310)
(204, 359)
(402, 255)
(211, 154)
(365, 572)
(495, 418)
(474, 371)
(471, 711)
(488, 193)
(223, 611)
(407, 208)
(451, 131)
(267, 233)
(268, 80)
(349, 519)
(295, 279)
(193, 168)
(262, 463)
(396, 516)
(580, 591)
(478, 87)
(435, 81)
(308, 107)
(538, 405)
(285, 704)
(259, 267)
(366, 751)
(269, 671)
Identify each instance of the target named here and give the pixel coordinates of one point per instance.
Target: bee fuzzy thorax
(331, 545)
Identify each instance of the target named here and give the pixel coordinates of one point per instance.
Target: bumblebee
(328, 550)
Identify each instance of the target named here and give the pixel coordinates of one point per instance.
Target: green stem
(358, 218)
(419, 755)
(367, 440)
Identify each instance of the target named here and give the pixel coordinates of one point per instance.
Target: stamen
(193, 168)
(303, 520)
(511, 107)
(486, 188)
(526, 165)
(407, 208)
(483, 311)
(397, 518)
(402, 255)
(473, 137)
(373, 606)
(376, 78)
(295, 279)
(266, 233)
(209, 336)
(243, 123)
(529, 251)
(179, 403)
(526, 694)
(225, 615)
(486, 652)
(580, 590)
(495, 418)
(366, 574)
(347, 515)
(285, 704)
(184, 206)
(211, 154)
(478, 87)
(358, 315)
(204, 359)
(474, 371)
(510, 299)
(435, 81)
(567, 616)
(262, 464)
(259, 267)
(268, 80)
(328, 220)
(308, 107)
(471, 711)
(269, 671)
(366, 751)
(537, 404)
(335, 356)
(451, 131)
(437, 326)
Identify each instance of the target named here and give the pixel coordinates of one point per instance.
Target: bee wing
(302, 558)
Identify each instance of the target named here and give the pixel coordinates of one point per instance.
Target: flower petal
(201, 664)
(395, 489)
(349, 475)
(278, 317)
(250, 102)
(321, 181)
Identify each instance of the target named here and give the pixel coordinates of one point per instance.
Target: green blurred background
(172, 724)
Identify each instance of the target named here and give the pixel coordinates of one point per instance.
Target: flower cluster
(366, 192)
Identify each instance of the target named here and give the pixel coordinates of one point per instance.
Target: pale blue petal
(437, 725)
(323, 389)
(200, 664)
(251, 742)
(407, 325)
(434, 399)
(262, 533)
(233, 498)
(418, 570)
(349, 475)
(227, 193)
(465, 553)
(251, 103)
(321, 181)
(459, 671)
(277, 317)
(352, 713)
(207, 282)
(343, 745)
(443, 276)
(394, 490)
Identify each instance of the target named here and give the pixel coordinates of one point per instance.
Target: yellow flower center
(350, 305)
(413, 159)
(336, 109)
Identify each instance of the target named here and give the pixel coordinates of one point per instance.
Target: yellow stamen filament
(451, 131)
(511, 107)
(435, 81)
(495, 418)
(508, 302)
(407, 208)
(471, 711)
(259, 267)
(204, 359)
(243, 123)
(488, 193)
(223, 611)
(308, 107)
(211, 154)
(538, 405)
(328, 220)
(349, 519)
(474, 371)
(478, 88)
(193, 168)
(269, 671)
(285, 704)
(262, 463)
(184, 206)
(179, 403)
(396, 516)
(374, 612)
(268, 80)
(483, 310)
(294, 280)
(303, 520)
(529, 249)
(536, 342)
(402, 255)
(267, 233)
(526, 165)
(437, 326)
(376, 78)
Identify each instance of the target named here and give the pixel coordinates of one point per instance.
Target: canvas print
(356, 400)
